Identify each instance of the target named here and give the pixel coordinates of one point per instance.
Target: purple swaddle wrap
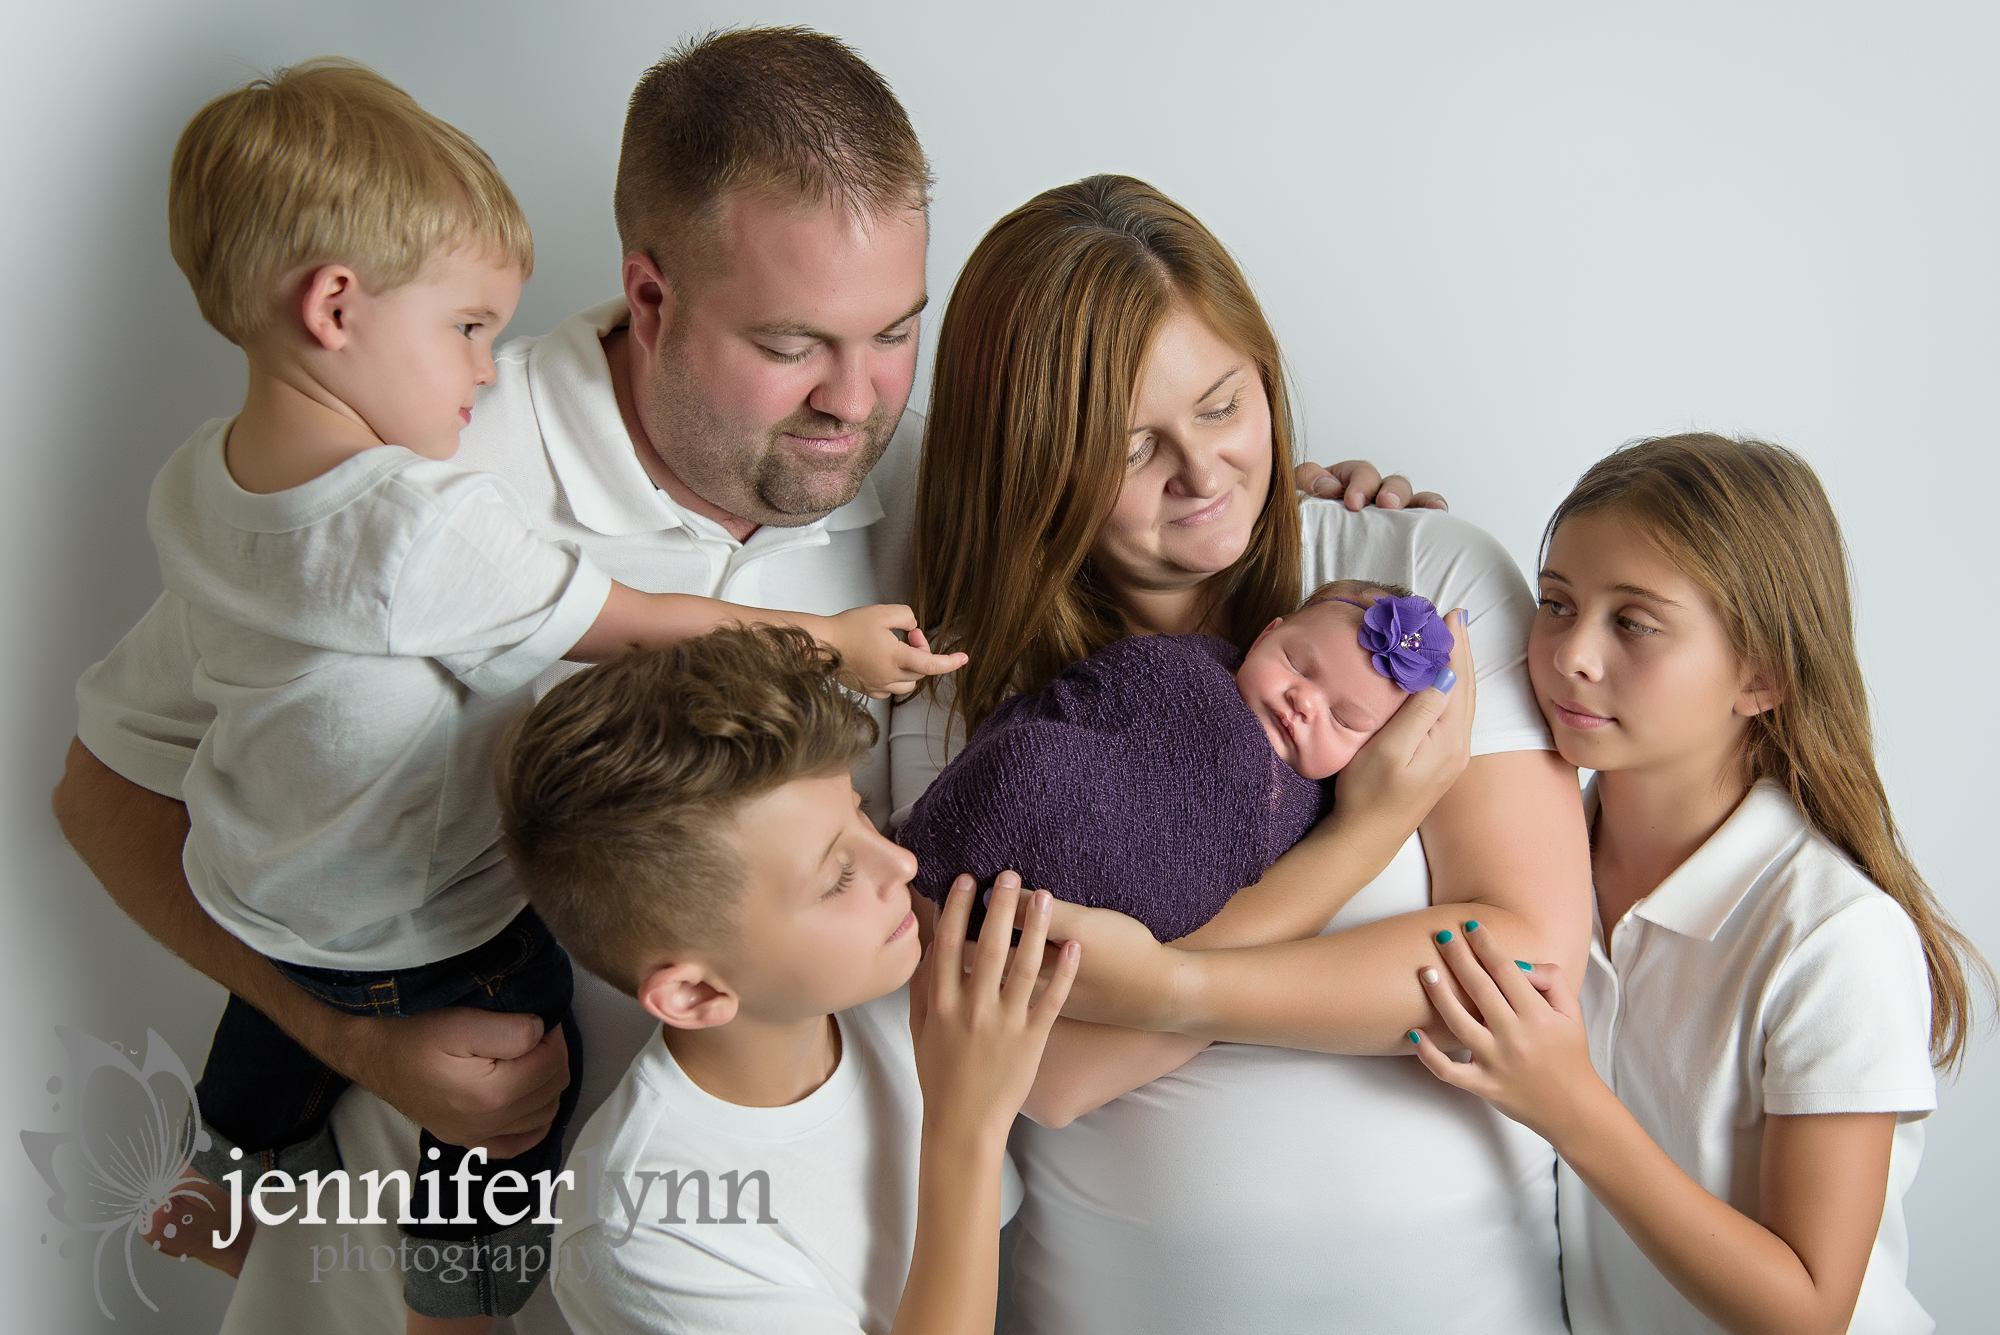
(1137, 780)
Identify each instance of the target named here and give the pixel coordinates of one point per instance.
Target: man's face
(779, 376)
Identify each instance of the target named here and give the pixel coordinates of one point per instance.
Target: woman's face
(1198, 465)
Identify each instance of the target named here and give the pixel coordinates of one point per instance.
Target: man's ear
(322, 307)
(652, 301)
(1757, 695)
(686, 995)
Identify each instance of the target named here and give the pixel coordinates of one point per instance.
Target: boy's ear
(1758, 695)
(686, 996)
(322, 308)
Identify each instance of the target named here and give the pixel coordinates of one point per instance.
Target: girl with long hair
(1738, 1092)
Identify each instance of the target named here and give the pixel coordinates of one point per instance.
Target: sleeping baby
(1157, 777)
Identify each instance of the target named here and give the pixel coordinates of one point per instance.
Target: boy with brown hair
(801, 1146)
(362, 617)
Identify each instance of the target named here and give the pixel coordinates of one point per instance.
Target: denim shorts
(264, 1094)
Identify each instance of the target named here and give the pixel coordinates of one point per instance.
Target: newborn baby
(1158, 778)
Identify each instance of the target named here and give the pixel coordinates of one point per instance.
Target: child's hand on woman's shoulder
(1530, 1054)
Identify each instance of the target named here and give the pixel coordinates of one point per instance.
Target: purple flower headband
(1408, 640)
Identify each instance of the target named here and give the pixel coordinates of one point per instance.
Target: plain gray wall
(1497, 240)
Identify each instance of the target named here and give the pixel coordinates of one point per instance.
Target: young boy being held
(803, 1147)
(365, 617)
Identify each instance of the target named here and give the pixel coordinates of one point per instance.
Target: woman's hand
(1530, 1054)
(1131, 980)
(979, 1031)
(1399, 774)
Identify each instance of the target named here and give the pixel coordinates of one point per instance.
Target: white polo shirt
(1766, 976)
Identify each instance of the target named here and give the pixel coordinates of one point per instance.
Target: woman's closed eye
(1223, 413)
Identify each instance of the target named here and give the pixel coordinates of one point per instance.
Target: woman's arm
(1794, 1270)
(1506, 847)
(1393, 782)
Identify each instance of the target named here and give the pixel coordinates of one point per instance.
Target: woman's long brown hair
(1750, 523)
(1025, 450)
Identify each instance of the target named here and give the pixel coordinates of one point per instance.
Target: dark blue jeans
(264, 1094)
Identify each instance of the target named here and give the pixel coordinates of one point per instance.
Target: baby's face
(1312, 686)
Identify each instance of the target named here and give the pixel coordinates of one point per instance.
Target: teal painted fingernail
(1472, 927)
(1413, 1037)
(1443, 937)
(1525, 966)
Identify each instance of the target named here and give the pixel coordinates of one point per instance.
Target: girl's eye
(1225, 412)
(1554, 606)
(466, 329)
(1636, 627)
(1140, 453)
(846, 879)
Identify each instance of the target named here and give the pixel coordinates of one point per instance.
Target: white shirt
(1767, 975)
(362, 640)
(550, 426)
(821, 1244)
(1264, 1189)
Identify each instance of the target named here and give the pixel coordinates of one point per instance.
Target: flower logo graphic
(133, 1133)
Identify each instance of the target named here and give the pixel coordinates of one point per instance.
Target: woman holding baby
(1109, 453)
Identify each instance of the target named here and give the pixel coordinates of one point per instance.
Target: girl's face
(1629, 658)
(1198, 464)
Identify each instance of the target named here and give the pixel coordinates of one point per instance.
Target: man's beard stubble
(754, 475)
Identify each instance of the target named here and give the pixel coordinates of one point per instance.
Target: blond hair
(1025, 448)
(326, 162)
(789, 113)
(1749, 522)
(620, 788)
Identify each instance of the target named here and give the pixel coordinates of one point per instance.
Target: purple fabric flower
(1409, 641)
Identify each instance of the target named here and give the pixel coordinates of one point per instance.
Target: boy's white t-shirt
(362, 639)
(824, 1193)
(1271, 1190)
(1767, 976)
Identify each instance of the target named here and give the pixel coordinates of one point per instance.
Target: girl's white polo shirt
(1767, 976)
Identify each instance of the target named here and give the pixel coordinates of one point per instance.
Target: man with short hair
(734, 426)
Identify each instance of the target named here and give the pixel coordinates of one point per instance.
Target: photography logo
(133, 1131)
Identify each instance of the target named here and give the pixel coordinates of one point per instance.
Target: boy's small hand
(873, 654)
(1530, 1053)
(980, 1030)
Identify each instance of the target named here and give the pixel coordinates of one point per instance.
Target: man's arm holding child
(473, 1077)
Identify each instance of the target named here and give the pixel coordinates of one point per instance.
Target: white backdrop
(1496, 240)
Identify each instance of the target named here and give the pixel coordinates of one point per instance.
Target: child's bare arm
(1794, 1270)
(978, 1039)
(879, 662)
